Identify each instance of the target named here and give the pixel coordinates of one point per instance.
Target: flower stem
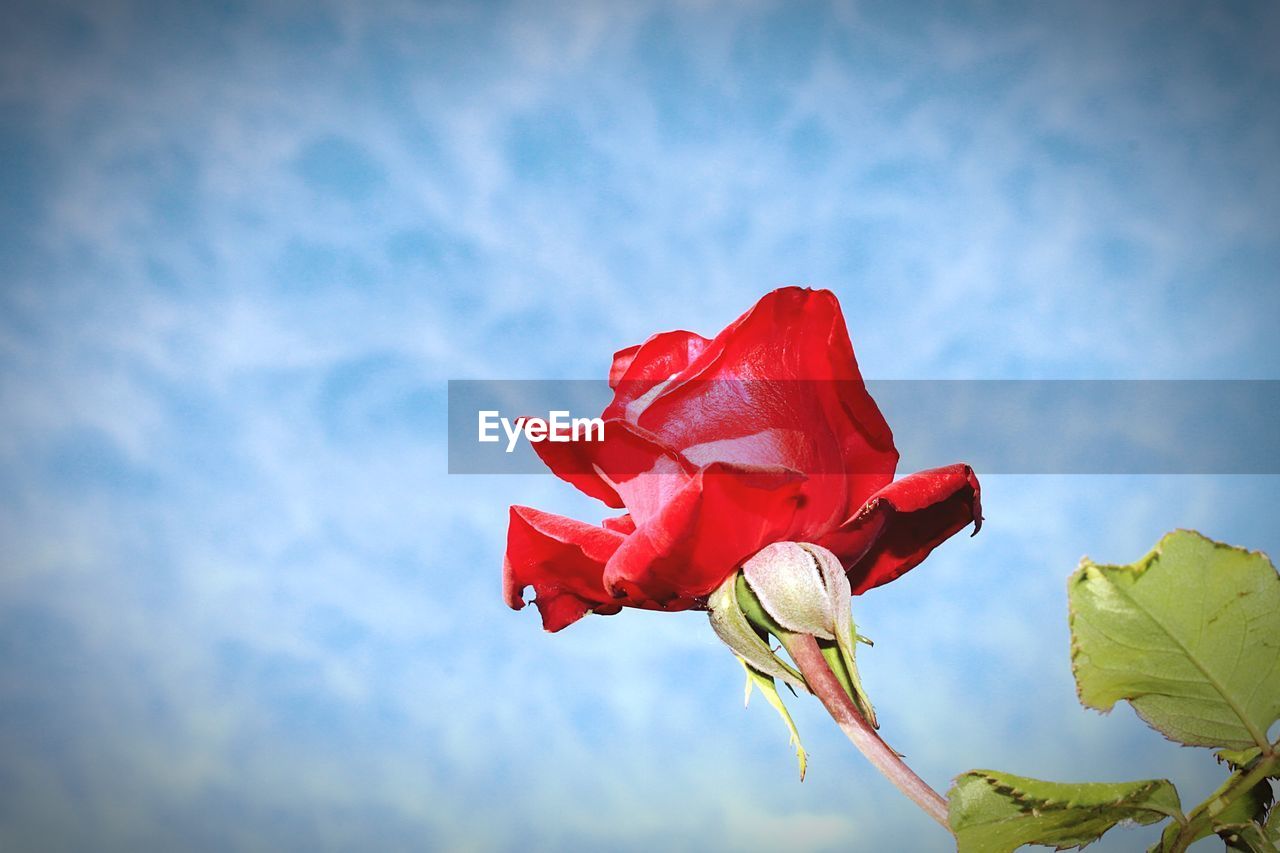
(804, 650)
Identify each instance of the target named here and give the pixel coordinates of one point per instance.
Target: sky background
(243, 246)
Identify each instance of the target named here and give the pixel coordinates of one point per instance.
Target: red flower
(717, 448)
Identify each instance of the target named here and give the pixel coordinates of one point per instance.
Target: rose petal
(653, 361)
(621, 361)
(718, 448)
(721, 516)
(623, 524)
(631, 467)
(780, 386)
(563, 560)
(898, 527)
(574, 462)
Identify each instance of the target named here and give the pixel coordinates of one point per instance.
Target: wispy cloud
(243, 605)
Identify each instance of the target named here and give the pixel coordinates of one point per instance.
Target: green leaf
(770, 691)
(1238, 758)
(1189, 635)
(994, 812)
(1247, 837)
(1239, 825)
(1252, 836)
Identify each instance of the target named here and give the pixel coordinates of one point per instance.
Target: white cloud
(248, 596)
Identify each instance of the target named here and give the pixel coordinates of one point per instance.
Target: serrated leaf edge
(1030, 803)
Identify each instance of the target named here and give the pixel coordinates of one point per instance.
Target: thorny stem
(804, 650)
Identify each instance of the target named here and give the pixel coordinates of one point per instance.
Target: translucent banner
(997, 426)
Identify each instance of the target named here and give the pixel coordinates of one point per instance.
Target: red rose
(717, 448)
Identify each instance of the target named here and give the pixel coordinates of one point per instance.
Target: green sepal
(734, 629)
(840, 659)
(767, 687)
(847, 643)
(754, 610)
(839, 653)
(835, 660)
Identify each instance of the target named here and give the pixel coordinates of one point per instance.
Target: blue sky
(245, 246)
